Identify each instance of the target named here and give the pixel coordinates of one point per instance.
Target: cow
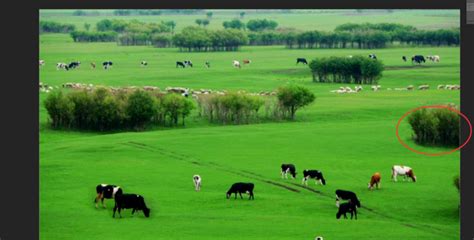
(423, 87)
(347, 195)
(441, 87)
(246, 61)
(301, 60)
(418, 59)
(106, 191)
(143, 63)
(404, 58)
(435, 58)
(62, 66)
(93, 65)
(358, 88)
(240, 188)
(348, 207)
(188, 63)
(375, 181)
(375, 87)
(318, 238)
(288, 168)
(314, 174)
(133, 201)
(208, 64)
(410, 87)
(372, 56)
(107, 64)
(236, 63)
(74, 65)
(197, 182)
(180, 64)
(404, 171)
(41, 63)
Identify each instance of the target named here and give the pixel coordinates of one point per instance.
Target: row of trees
(200, 39)
(54, 27)
(102, 110)
(85, 36)
(357, 69)
(439, 127)
(254, 25)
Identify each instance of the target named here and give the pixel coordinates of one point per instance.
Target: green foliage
(140, 108)
(457, 182)
(175, 106)
(234, 24)
(60, 109)
(292, 98)
(258, 25)
(86, 36)
(439, 127)
(200, 39)
(54, 27)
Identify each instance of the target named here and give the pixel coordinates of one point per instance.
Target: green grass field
(348, 137)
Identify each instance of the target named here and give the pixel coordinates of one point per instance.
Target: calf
(246, 61)
(301, 60)
(133, 201)
(240, 188)
(197, 182)
(375, 181)
(106, 191)
(285, 168)
(314, 174)
(345, 208)
(404, 171)
(347, 195)
(180, 64)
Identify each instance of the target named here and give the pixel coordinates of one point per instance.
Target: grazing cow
(106, 191)
(197, 182)
(107, 64)
(133, 201)
(410, 87)
(240, 188)
(288, 168)
(208, 64)
(301, 60)
(418, 59)
(348, 207)
(404, 58)
(41, 63)
(236, 63)
(375, 87)
(93, 65)
(347, 195)
(314, 174)
(372, 56)
(423, 87)
(358, 88)
(143, 63)
(246, 61)
(180, 64)
(74, 65)
(434, 58)
(375, 181)
(441, 87)
(404, 171)
(188, 63)
(62, 66)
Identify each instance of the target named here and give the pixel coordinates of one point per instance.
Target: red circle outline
(434, 154)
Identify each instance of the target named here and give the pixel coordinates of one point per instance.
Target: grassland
(348, 137)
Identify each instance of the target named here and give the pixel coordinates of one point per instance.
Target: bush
(54, 27)
(435, 127)
(60, 109)
(86, 36)
(292, 97)
(175, 106)
(140, 108)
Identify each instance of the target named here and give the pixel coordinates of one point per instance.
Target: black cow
(106, 191)
(180, 64)
(133, 201)
(285, 168)
(107, 64)
(73, 65)
(208, 64)
(372, 56)
(314, 174)
(240, 188)
(347, 195)
(348, 207)
(301, 60)
(418, 59)
(404, 58)
(188, 63)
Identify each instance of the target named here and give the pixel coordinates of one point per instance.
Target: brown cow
(93, 65)
(246, 61)
(375, 181)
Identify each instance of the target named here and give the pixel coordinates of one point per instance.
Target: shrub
(175, 106)
(60, 109)
(54, 27)
(293, 97)
(140, 108)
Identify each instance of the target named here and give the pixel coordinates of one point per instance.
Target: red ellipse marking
(434, 154)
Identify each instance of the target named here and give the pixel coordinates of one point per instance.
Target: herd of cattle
(136, 202)
(374, 88)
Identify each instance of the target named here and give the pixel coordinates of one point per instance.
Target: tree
(140, 108)
(198, 22)
(293, 97)
(87, 26)
(205, 22)
(171, 25)
(258, 25)
(209, 15)
(235, 24)
(242, 14)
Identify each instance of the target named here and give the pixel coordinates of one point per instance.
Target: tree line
(54, 27)
(357, 69)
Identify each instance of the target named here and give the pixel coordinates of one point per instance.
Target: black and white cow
(107, 64)
(372, 56)
(197, 182)
(240, 188)
(418, 59)
(208, 64)
(180, 64)
(106, 191)
(188, 63)
(404, 58)
(301, 60)
(74, 65)
(348, 207)
(313, 174)
(41, 63)
(288, 168)
(347, 195)
(143, 63)
(62, 66)
(133, 201)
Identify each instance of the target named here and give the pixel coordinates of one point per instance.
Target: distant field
(320, 20)
(348, 137)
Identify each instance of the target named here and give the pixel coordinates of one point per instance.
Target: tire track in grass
(261, 178)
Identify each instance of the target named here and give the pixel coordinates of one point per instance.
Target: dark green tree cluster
(86, 36)
(438, 127)
(54, 27)
(291, 98)
(234, 24)
(102, 110)
(200, 39)
(257, 25)
(358, 70)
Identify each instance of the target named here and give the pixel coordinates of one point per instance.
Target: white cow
(61, 66)
(197, 182)
(41, 63)
(375, 87)
(404, 171)
(423, 87)
(236, 63)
